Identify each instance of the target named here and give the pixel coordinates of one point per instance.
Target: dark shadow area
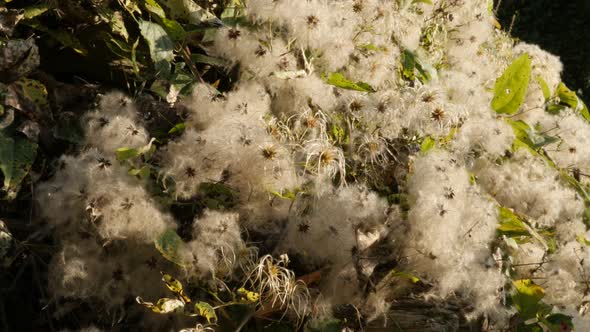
(558, 26)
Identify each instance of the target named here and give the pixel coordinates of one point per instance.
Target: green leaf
(201, 58)
(540, 140)
(115, 21)
(169, 245)
(17, 156)
(580, 188)
(36, 10)
(412, 278)
(555, 108)
(340, 81)
(235, 9)
(527, 297)
(569, 98)
(412, 68)
(428, 2)
(427, 144)
(142, 173)
(173, 28)
(217, 195)
(560, 322)
(126, 153)
(286, 194)
(544, 88)
(178, 128)
(189, 11)
(134, 57)
(510, 224)
(160, 45)
(64, 37)
(371, 47)
(511, 87)
(582, 239)
(153, 7)
(204, 309)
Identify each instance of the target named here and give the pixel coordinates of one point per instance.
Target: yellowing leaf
(175, 286)
(527, 297)
(163, 306)
(510, 88)
(16, 158)
(204, 309)
(248, 296)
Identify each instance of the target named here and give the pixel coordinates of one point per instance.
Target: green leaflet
(427, 144)
(36, 10)
(338, 134)
(16, 158)
(217, 195)
(527, 137)
(544, 88)
(129, 153)
(209, 60)
(160, 45)
(142, 173)
(178, 128)
(412, 68)
(189, 11)
(569, 98)
(582, 239)
(286, 194)
(412, 278)
(510, 224)
(340, 81)
(510, 88)
(126, 153)
(169, 244)
(153, 7)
